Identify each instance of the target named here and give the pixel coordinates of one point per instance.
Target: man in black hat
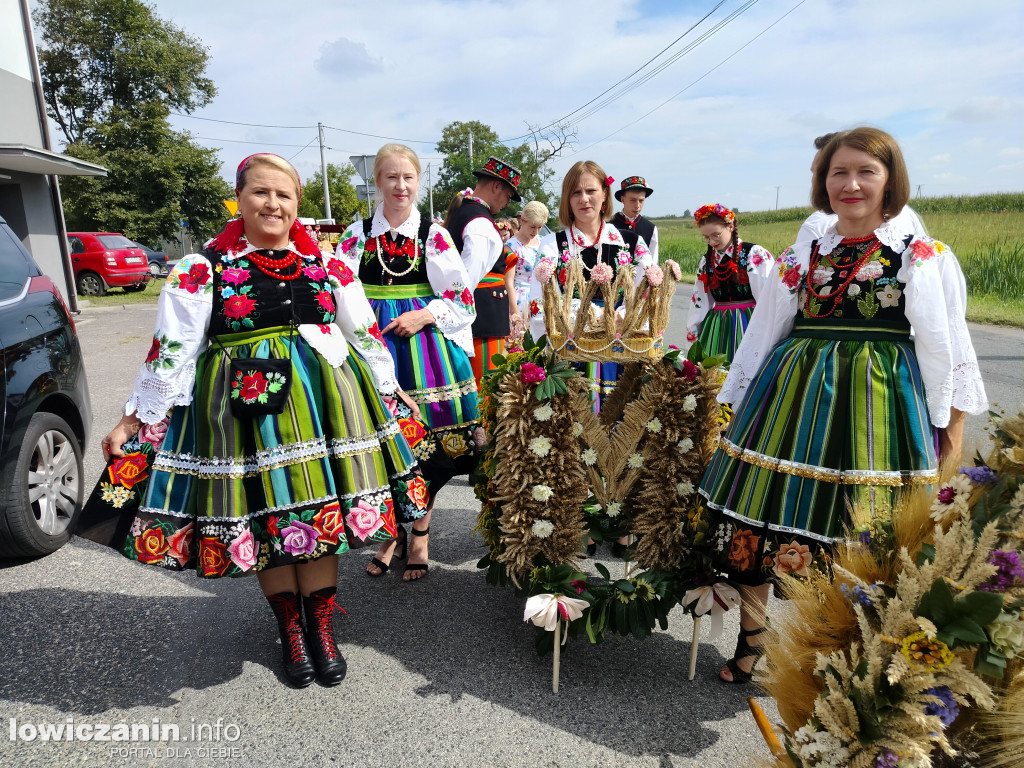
(633, 193)
(472, 227)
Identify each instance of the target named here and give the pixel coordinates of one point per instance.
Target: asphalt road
(441, 672)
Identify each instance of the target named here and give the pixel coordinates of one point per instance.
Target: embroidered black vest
(729, 281)
(642, 226)
(372, 273)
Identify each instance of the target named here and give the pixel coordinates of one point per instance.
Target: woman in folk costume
(837, 408)
(585, 211)
(418, 288)
(730, 277)
(279, 441)
(526, 244)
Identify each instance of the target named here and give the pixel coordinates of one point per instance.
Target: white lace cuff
(153, 396)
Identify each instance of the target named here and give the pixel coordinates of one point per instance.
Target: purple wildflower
(865, 538)
(887, 759)
(946, 708)
(982, 475)
(1009, 569)
(856, 595)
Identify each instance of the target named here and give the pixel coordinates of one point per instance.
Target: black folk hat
(633, 182)
(502, 171)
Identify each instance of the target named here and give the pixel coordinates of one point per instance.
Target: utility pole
(430, 192)
(471, 146)
(323, 169)
(777, 197)
(919, 190)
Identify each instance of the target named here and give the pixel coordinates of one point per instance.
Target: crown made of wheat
(581, 335)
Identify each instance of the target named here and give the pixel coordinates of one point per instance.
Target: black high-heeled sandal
(417, 567)
(744, 650)
(400, 541)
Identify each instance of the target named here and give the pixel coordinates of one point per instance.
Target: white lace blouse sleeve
(653, 245)
(548, 252)
(358, 324)
(453, 309)
(184, 308)
(760, 269)
(350, 246)
(770, 322)
(936, 304)
(481, 246)
(700, 304)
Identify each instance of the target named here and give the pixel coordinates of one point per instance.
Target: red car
(103, 260)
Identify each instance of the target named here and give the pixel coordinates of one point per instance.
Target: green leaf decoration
(868, 307)
(498, 359)
(603, 571)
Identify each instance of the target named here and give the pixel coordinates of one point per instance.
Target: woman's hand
(125, 430)
(951, 437)
(409, 323)
(404, 397)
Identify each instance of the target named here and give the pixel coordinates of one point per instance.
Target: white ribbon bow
(545, 611)
(715, 599)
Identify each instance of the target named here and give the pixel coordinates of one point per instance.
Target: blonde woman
(526, 244)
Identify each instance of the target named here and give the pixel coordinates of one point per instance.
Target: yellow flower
(885, 261)
(922, 652)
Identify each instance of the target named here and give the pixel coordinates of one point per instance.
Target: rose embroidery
(300, 539)
(238, 306)
(235, 275)
(416, 490)
(314, 272)
(193, 280)
(326, 301)
(793, 558)
(346, 245)
(128, 470)
(364, 519)
(154, 350)
(151, 545)
(413, 431)
(213, 559)
(180, 544)
(440, 243)
(242, 550)
(791, 277)
(742, 550)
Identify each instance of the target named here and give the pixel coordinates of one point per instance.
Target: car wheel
(90, 284)
(44, 489)
(154, 269)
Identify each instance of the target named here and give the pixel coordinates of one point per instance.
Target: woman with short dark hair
(837, 408)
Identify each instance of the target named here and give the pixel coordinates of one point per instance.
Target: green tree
(98, 56)
(343, 195)
(155, 174)
(530, 157)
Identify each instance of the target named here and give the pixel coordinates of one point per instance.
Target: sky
(731, 120)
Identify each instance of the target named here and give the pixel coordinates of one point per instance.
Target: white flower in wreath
(577, 429)
(654, 426)
(589, 457)
(544, 413)
(635, 461)
(690, 403)
(541, 446)
(542, 528)
(853, 290)
(684, 488)
(614, 508)
(685, 445)
(889, 296)
(542, 492)
(821, 748)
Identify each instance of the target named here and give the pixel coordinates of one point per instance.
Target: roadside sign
(183, 222)
(365, 192)
(232, 206)
(364, 167)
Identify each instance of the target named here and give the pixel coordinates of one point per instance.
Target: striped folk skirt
(436, 373)
(229, 496)
(723, 328)
(832, 427)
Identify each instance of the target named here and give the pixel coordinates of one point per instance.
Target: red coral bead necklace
(276, 268)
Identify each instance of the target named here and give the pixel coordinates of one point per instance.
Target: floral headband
(245, 164)
(706, 211)
(467, 192)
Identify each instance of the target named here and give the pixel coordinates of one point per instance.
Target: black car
(157, 261)
(46, 408)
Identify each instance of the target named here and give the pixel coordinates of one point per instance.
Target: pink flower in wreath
(299, 538)
(531, 373)
(793, 558)
(364, 519)
(544, 272)
(654, 275)
(602, 273)
(242, 550)
(181, 544)
(691, 337)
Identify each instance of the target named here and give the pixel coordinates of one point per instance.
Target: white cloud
(344, 58)
(921, 69)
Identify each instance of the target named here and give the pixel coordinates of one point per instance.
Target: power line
(688, 87)
(241, 141)
(250, 125)
(614, 85)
